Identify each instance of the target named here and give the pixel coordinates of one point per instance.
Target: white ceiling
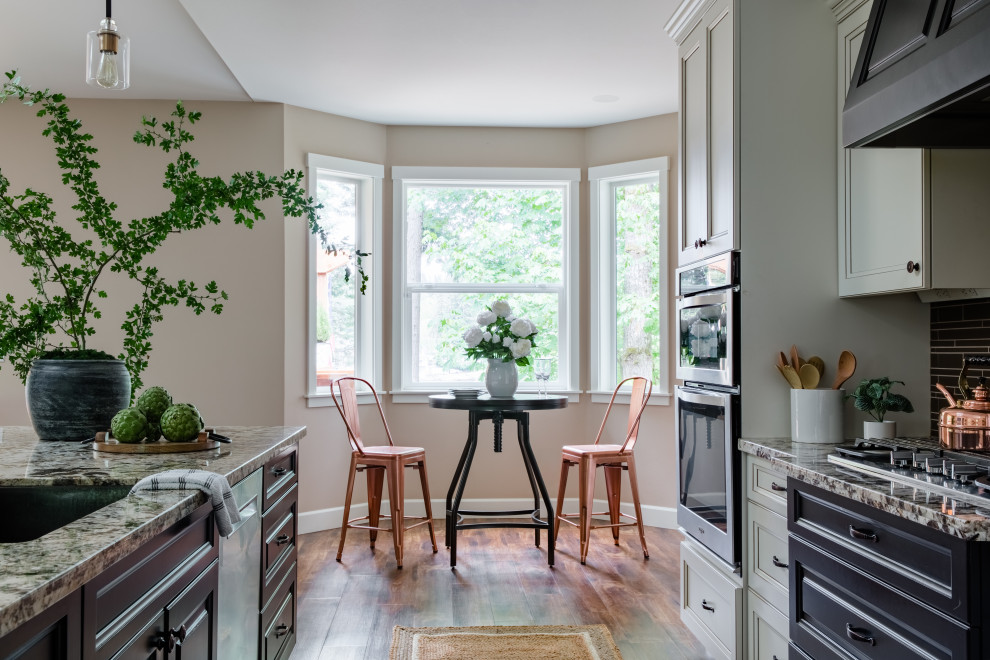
(546, 63)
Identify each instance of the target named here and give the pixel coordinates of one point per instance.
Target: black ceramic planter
(73, 399)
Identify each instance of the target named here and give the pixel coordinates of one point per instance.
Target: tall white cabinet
(906, 216)
(708, 219)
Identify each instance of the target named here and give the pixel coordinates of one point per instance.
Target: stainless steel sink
(30, 512)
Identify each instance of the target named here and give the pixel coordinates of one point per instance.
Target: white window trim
(568, 368)
(368, 316)
(603, 263)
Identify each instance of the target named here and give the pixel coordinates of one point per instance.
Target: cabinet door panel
(52, 635)
(884, 214)
(194, 613)
(721, 152)
(694, 147)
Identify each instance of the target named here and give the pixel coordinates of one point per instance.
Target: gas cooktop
(918, 462)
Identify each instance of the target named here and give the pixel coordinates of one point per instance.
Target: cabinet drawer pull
(281, 539)
(279, 471)
(280, 630)
(777, 487)
(706, 606)
(778, 563)
(863, 535)
(700, 243)
(857, 636)
(913, 266)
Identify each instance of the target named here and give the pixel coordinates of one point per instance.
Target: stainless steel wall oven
(707, 405)
(709, 468)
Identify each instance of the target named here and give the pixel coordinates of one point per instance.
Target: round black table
(498, 409)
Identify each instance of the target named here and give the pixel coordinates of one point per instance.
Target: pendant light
(108, 56)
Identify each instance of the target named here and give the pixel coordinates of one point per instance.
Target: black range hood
(922, 78)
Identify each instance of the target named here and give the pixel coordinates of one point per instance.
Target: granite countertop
(36, 574)
(809, 463)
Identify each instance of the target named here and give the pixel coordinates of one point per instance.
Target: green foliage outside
(64, 269)
(322, 324)
(637, 239)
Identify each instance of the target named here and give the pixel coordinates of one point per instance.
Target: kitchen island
(841, 563)
(36, 574)
(809, 463)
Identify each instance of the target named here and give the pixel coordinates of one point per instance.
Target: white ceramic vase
(880, 430)
(501, 378)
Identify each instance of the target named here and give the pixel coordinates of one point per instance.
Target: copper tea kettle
(965, 424)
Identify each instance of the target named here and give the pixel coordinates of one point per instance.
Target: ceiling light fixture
(108, 56)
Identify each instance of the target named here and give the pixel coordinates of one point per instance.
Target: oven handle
(703, 397)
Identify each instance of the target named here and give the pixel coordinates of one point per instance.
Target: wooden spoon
(847, 365)
(781, 360)
(809, 376)
(818, 363)
(795, 359)
(792, 377)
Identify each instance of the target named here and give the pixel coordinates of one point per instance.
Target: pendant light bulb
(108, 56)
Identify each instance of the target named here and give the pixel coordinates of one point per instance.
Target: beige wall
(248, 366)
(228, 365)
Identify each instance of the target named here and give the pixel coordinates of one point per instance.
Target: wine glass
(542, 368)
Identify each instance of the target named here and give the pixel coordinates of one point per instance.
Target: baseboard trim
(324, 519)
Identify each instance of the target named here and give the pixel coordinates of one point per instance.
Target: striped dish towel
(211, 483)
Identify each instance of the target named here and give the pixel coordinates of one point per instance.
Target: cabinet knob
(176, 637)
(281, 630)
(913, 266)
(863, 535)
(857, 636)
(279, 471)
(700, 243)
(706, 606)
(281, 539)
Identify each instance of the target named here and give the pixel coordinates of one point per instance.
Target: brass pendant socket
(108, 41)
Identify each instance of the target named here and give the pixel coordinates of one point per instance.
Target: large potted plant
(873, 396)
(72, 389)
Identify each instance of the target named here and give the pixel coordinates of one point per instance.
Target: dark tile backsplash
(959, 328)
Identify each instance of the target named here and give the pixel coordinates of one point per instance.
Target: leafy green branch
(65, 272)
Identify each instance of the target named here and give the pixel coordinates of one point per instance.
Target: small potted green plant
(873, 396)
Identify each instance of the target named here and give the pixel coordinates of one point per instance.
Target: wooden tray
(105, 443)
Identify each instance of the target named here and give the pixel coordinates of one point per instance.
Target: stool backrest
(638, 398)
(344, 394)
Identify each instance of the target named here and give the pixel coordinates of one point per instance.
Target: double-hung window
(628, 275)
(465, 237)
(344, 324)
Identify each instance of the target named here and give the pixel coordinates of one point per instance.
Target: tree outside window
(629, 315)
(466, 243)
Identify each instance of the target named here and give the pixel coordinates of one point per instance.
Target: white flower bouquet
(500, 335)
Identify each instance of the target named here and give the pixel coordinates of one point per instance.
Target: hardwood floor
(346, 610)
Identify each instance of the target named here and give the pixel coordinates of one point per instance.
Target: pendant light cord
(108, 8)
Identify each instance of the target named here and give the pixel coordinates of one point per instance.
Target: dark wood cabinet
(52, 635)
(159, 599)
(278, 556)
(868, 584)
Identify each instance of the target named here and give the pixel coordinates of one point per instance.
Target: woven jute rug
(504, 643)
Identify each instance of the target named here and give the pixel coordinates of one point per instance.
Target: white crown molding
(685, 18)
